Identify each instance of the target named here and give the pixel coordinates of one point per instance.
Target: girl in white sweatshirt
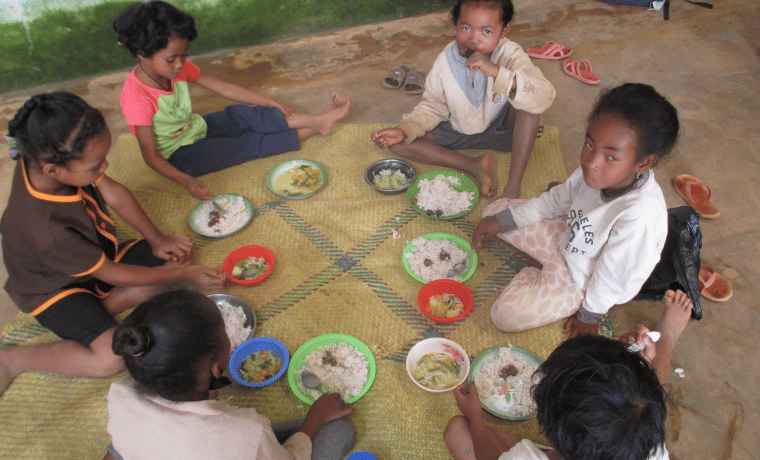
(599, 235)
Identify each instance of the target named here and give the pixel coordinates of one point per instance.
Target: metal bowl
(394, 165)
(250, 314)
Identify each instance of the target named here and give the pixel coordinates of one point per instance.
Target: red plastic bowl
(248, 251)
(445, 286)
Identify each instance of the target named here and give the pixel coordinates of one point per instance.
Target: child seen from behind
(180, 144)
(483, 92)
(175, 347)
(65, 265)
(599, 235)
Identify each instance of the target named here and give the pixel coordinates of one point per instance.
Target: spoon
(457, 269)
(654, 335)
(310, 381)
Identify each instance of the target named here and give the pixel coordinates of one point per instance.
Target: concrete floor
(707, 62)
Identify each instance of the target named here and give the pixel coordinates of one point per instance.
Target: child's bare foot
(335, 109)
(486, 175)
(676, 312)
(511, 191)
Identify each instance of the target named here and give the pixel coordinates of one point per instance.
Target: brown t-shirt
(53, 243)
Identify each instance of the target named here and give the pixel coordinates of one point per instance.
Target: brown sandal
(415, 83)
(396, 76)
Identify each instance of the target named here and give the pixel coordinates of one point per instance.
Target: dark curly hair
(55, 127)
(507, 9)
(654, 119)
(146, 27)
(598, 401)
(164, 340)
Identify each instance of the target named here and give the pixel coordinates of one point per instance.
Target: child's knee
(456, 431)
(504, 320)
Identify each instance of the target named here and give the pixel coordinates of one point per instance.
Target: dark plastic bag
(678, 267)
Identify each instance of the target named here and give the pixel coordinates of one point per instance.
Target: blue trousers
(237, 134)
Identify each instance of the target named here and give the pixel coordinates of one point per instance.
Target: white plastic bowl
(438, 345)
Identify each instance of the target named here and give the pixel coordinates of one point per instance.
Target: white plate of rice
(239, 317)
(443, 194)
(430, 257)
(206, 220)
(504, 377)
(344, 365)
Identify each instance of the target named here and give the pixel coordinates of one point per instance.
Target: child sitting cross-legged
(180, 144)
(65, 265)
(175, 347)
(596, 400)
(599, 235)
(482, 93)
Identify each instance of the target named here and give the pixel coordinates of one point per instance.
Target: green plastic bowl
(466, 185)
(488, 353)
(296, 362)
(285, 167)
(464, 245)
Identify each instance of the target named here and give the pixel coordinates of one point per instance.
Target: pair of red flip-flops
(576, 68)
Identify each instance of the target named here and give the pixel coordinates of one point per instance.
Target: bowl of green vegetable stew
(437, 365)
(259, 362)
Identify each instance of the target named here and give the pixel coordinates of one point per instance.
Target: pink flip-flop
(550, 50)
(580, 69)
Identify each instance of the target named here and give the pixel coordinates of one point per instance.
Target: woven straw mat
(338, 270)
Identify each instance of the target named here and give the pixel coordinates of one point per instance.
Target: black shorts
(81, 316)
(495, 137)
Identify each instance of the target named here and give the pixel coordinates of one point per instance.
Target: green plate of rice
(458, 206)
(461, 243)
(237, 213)
(344, 343)
(517, 404)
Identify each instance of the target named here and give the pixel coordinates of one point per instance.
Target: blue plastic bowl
(252, 346)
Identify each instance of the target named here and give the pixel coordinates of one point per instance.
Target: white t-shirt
(151, 427)
(612, 245)
(526, 450)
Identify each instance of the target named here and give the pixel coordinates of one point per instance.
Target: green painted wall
(59, 44)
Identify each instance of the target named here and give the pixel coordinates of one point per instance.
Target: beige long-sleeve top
(443, 98)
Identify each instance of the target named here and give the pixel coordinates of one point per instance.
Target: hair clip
(13, 149)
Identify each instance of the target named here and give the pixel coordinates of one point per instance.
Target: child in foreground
(65, 266)
(596, 400)
(599, 235)
(179, 144)
(175, 347)
(483, 92)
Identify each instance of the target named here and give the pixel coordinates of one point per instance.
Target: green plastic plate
(285, 167)
(466, 185)
(296, 362)
(484, 356)
(464, 245)
(195, 212)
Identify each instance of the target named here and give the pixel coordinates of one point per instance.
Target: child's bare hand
(384, 138)
(174, 248)
(575, 327)
(468, 400)
(329, 407)
(205, 277)
(287, 110)
(482, 62)
(197, 189)
(640, 336)
(487, 228)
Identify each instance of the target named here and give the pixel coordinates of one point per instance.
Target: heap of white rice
(234, 320)
(234, 216)
(431, 250)
(347, 378)
(438, 197)
(492, 388)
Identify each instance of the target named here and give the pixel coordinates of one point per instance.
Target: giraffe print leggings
(535, 297)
